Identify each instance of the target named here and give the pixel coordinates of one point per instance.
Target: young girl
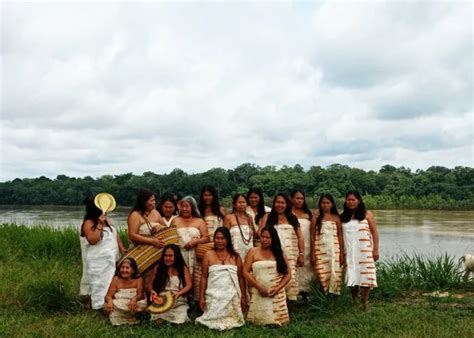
(125, 296)
(171, 274)
(361, 244)
(327, 249)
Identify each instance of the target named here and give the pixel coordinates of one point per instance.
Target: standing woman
(306, 220)
(256, 207)
(267, 272)
(144, 220)
(102, 250)
(292, 242)
(241, 226)
(192, 230)
(167, 207)
(210, 209)
(361, 244)
(222, 293)
(327, 249)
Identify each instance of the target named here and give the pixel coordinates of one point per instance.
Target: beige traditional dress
(358, 247)
(267, 310)
(84, 287)
(168, 222)
(289, 245)
(213, 222)
(328, 267)
(252, 214)
(242, 238)
(179, 313)
(305, 273)
(120, 314)
(222, 299)
(185, 235)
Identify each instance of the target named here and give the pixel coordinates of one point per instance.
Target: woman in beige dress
(291, 238)
(167, 207)
(267, 272)
(306, 220)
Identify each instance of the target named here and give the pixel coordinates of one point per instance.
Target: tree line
(434, 188)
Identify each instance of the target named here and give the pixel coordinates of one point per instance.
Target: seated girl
(171, 274)
(125, 295)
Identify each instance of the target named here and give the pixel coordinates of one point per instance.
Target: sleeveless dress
(185, 235)
(305, 273)
(289, 245)
(358, 246)
(179, 313)
(267, 310)
(84, 287)
(222, 299)
(120, 314)
(101, 258)
(168, 223)
(242, 238)
(213, 222)
(328, 267)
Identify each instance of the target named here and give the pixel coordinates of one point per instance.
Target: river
(426, 232)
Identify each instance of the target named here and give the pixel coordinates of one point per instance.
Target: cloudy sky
(116, 87)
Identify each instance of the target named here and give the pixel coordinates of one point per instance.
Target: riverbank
(40, 270)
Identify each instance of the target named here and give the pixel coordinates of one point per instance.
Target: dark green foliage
(49, 296)
(394, 188)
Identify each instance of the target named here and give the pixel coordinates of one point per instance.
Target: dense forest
(390, 187)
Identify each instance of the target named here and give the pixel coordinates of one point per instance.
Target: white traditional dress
(289, 245)
(168, 222)
(242, 238)
(328, 267)
(120, 314)
(84, 287)
(305, 273)
(252, 214)
(358, 247)
(185, 235)
(223, 309)
(101, 258)
(179, 313)
(213, 222)
(267, 310)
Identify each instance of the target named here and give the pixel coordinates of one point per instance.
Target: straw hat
(105, 202)
(161, 304)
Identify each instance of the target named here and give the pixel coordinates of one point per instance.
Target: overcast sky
(117, 87)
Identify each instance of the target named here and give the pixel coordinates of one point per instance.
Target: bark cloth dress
(328, 267)
(289, 245)
(358, 247)
(179, 313)
(305, 273)
(120, 314)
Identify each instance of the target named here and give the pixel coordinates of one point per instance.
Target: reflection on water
(423, 231)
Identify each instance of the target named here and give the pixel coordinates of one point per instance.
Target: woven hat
(105, 202)
(162, 304)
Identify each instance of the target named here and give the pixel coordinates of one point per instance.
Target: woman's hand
(262, 291)
(375, 254)
(191, 244)
(300, 260)
(202, 304)
(158, 242)
(103, 218)
(132, 306)
(108, 307)
(176, 295)
(153, 295)
(272, 292)
(244, 304)
(342, 259)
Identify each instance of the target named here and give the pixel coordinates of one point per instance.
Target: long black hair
(92, 213)
(162, 277)
(260, 205)
(140, 203)
(273, 215)
(215, 204)
(305, 206)
(229, 247)
(282, 268)
(333, 210)
(167, 196)
(133, 264)
(358, 213)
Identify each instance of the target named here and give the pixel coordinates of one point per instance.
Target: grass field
(40, 270)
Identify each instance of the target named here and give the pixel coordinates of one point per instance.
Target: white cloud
(111, 87)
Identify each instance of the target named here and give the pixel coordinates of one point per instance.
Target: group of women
(259, 257)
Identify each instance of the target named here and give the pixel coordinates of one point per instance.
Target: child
(125, 295)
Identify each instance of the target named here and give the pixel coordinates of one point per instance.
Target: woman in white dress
(266, 270)
(102, 250)
(222, 295)
(171, 274)
(361, 245)
(256, 207)
(291, 238)
(167, 207)
(306, 220)
(241, 226)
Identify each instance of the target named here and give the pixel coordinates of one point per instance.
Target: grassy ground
(40, 271)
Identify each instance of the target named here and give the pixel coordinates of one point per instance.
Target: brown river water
(426, 232)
